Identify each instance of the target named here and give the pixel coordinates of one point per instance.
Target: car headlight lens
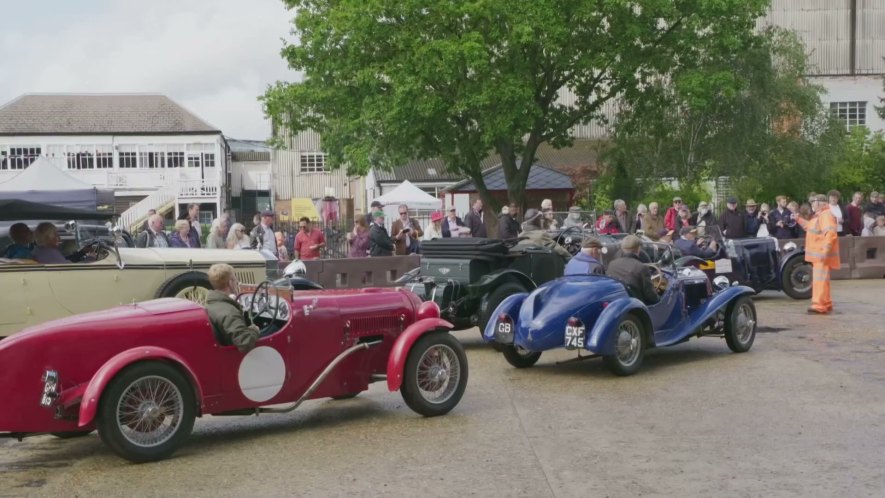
(790, 246)
(721, 282)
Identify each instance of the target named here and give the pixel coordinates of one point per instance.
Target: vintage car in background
(142, 373)
(468, 277)
(598, 315)
(756, 262)
(34, 293)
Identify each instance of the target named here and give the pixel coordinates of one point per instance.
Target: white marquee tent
(407, 193)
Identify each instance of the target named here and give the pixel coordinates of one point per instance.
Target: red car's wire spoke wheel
(435, 375)
(147, 411)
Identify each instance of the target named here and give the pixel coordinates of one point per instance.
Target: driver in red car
(225, 313)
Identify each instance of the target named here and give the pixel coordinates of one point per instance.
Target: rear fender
(96, 386)
(485, 284)
(510, 305)
(601, 338)
(396, 362)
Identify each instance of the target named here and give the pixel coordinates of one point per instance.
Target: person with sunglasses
(671, 219)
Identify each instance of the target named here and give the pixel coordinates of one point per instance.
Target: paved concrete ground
(801, 414)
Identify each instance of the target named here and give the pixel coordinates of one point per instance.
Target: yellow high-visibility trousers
(820, 288)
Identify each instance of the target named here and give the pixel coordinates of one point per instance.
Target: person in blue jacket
(588, 261)
(688, 244)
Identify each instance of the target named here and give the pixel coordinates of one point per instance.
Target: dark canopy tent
(19, 210)
(42, 182)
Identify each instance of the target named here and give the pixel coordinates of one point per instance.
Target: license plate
(574, 337)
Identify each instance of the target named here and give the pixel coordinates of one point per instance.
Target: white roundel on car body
(262, 373)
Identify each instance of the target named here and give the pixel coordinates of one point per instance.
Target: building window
(175, 160)
(104, 157)
(128, 159)
(81, 160)
(208, 160)
(850, 113)
(21, 157)
(313, 162)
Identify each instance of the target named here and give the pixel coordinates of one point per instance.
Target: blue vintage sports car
(598, 315)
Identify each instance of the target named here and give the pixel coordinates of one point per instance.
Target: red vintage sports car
(142, 373)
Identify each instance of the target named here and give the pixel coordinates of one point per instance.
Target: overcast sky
(215, 57)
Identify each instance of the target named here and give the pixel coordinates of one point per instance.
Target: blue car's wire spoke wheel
(740, 325)
(520, 357)
(629, 347)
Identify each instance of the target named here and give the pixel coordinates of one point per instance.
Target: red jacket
(853, 223)
(670, 219)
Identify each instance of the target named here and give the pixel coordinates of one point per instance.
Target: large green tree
(386, 81)
(749, 115)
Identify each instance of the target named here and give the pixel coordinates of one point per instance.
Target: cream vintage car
(34, 293)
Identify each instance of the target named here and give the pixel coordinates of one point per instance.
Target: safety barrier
(360, 272)
(861, 257)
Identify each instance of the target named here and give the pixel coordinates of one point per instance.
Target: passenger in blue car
(688, 244)
(22, 242)
(588, 260)
(632, 272)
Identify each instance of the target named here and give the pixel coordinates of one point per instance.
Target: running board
(328, 370)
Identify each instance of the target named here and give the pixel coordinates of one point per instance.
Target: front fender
(786, 258)
(720, 300)
(396, 362)
(599, 340)
(496, 278)
(96, 386)
(510, 305)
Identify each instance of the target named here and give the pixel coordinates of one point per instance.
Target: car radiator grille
(245, 277)
(372, 325)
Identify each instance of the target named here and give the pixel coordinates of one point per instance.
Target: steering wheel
(260, 301)
(99, 247)
(657, 277)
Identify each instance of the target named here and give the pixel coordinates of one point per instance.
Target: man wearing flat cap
(632, 272)
(687, 243)
(380, 243)
(588, 261)
(732, 221)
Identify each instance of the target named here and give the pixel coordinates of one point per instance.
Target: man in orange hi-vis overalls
(822, 251)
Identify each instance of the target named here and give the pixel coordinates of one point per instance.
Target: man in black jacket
(632, 272)
(508, 227)
(380, 242)
(733, 222)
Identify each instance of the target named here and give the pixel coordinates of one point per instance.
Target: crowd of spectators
(370, 237)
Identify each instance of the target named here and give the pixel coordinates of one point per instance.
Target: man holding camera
(407, 232)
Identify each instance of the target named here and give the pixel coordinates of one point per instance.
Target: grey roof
(248, 150)
(425, 170)
(541, 177)
(93, 114)
(582, 155)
